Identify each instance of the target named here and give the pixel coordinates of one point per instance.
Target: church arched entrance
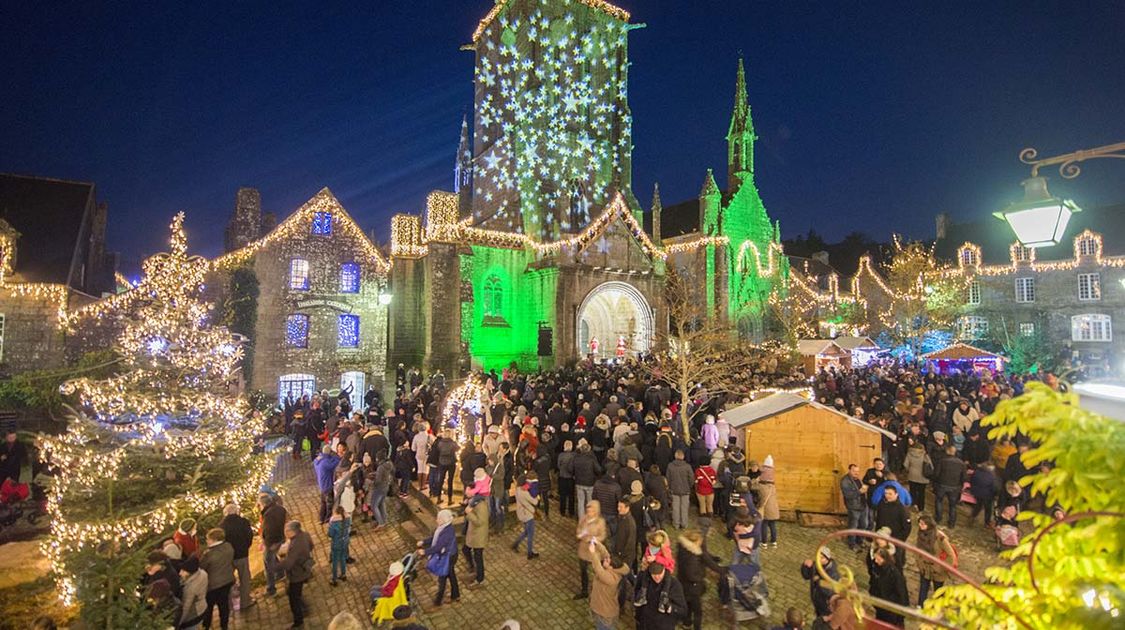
(614, 313)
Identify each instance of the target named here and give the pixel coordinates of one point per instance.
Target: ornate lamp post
(1039, 220)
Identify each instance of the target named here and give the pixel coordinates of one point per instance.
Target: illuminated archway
(611, 311)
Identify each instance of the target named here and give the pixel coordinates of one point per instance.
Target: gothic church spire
(740, 136)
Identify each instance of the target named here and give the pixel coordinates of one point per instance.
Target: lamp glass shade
(1039, 226)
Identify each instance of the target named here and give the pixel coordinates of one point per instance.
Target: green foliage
(109, 575)
(926, 294)
(240, 312)
(1073, 563)
(1027, 354)
(39, 389)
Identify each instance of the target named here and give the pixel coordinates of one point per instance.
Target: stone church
(541, 253)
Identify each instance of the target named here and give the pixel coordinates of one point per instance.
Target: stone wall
(31, 336)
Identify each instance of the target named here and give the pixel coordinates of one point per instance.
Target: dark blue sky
(872, 116)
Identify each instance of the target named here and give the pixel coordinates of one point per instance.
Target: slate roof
(995, 237)
(52, 217)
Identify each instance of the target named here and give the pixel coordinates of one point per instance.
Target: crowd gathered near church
(605, 445)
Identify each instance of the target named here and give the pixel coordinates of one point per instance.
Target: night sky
(872, 116)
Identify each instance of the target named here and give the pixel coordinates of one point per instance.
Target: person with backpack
(609, 590)
(933, 541)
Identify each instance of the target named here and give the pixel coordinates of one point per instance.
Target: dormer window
(1087, 244)
(968, 255)
(1021, 253)
(322, 223)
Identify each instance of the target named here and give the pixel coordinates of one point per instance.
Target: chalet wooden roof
(851, 343)
(814, 347)
(961, 350)
(781, 402)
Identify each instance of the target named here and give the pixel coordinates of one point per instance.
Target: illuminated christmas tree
(161, 440)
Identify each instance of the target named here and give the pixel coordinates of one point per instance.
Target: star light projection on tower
(552, 118)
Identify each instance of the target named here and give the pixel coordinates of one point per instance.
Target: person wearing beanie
(194, 597)
(186, 539)
(325, 466)
(820, 591)
(158, 568)
(768, 503)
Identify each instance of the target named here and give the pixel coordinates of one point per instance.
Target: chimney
(942, 225)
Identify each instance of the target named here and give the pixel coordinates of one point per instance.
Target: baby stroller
(383, 607)
(744, 593)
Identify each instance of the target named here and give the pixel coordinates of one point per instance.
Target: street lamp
(1040, 219)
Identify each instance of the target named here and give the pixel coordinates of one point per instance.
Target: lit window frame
(321, 223)
(299, 274)
(1027, 294)
(292, 320)
(974, 293)
(1091, 327)
(1027, 329)
(1090, 286)
(342, 333)
(358, 275)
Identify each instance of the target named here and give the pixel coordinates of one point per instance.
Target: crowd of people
(605, 445)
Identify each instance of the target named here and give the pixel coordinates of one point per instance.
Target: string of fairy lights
(175, 365)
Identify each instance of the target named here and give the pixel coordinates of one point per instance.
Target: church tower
(463, 170)
(740, 136)
(552, 139)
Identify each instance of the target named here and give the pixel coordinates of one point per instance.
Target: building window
(1089, 286)
(1021, 253)
(349, 277)
(322, 223)
(295, 386)
(299, 274)
(347, 331)
(1, 336)
(973, 327)
(1027, 329)
(968, 256)
(1025, 289)
(974, 292)
(1092, 327)
(297, 330)
(1086, 245)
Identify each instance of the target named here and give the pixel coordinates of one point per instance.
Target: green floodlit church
(542, 254)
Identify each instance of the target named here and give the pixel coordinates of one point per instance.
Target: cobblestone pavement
(537, 593)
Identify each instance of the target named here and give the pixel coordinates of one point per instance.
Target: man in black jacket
(586, 471)
(607, 493)
(240, 535)
(659, 602)
(625, 540)
(892, 513)
(949, 477)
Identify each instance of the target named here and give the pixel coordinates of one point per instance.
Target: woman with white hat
(442, 551)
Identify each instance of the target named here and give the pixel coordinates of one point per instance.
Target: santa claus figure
(620, 347)
(594, 347)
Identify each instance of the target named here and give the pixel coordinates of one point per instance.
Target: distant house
(817, 354)
(53, 258)
(811, 444)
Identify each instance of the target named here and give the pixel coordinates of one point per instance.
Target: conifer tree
(163, 439)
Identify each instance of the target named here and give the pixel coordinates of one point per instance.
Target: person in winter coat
(404, 468)
(590, 533)
(297, 562)
(723, 427)
(659, 602)
(498, 492)
(446, 450)
(710, 435)
(240, 535)
(443, 545)
(983, 485)
(566, 479)
(339, 532)
(217, 561)
(891, 513)
(185, 537)
(525, 513)
(476, 537)
(607, 493)
(664, 450)
(917, 461)
(771, 512)
(325, 467)
(658, 548)
(965, 416)
(194, 581)
(420, 444)
(692, 561)
(855, 502)
(157, 568)
(586, 472)
(949, 478)
(374, 443)
(605, 608)
(935, 542)
(889, 584)
(681, 482)
(542, 467)
(625, 539)
(705, 489)
(820, 592)
(876, 545)
(380, 488)
(274, 517)
(746, 532)
(656, 487)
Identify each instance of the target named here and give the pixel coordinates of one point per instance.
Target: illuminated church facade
(541, 254)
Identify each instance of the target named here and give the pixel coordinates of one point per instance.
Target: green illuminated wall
(505, 329)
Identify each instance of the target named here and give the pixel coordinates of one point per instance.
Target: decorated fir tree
(163, 439)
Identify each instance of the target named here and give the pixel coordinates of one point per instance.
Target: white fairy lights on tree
(160, 440)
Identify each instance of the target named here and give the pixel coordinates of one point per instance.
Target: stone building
(319, 320)
(1071, 294)
(53, 260)
(540, 255)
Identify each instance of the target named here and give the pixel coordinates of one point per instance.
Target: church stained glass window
(297, 330)
(348, 331)
(349, 277)
(322, 223)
